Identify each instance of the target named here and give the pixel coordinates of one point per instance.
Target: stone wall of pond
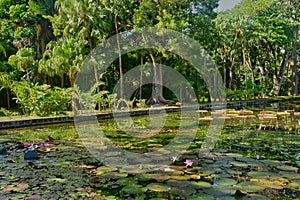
(70, 119)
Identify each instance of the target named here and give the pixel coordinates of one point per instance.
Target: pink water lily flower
(174, 158)
(26, 144)
(188, 163)
(45, 144)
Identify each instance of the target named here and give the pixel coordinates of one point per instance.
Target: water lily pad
(283, 114)
(268, 118)
(255, 197)
(16, 188)
(142, 177)
(221, 190)
(287, 168)
(232, 172)
(182, 192)
(290, 175)
(239, 164)
(201, 197)
(267, 112)
(295, 184)
(134, 189)
(237, 112)
(261, 174)
(272, 162)
(202, 111)
(206, 118)
(114, 175)
(271, 183)
(127, 181)
(225, 181)
(234, 155)
(157, 187)
(105, 169)
(181, 177)
(246, 112)
(176, 183)
(252, 187)
(159, 177)
(239, 117)
(200, 184)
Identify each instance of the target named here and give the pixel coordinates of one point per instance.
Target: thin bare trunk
(277, 86)
(8, 99)
(141, 80)
(62, 80)
(224, 77)
(160, 78)
(120, 57)
(231, 73)
(295, 64)
(295, 75)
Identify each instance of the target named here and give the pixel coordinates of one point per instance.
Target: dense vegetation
(44, 42)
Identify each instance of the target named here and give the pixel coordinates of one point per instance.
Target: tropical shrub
(41, 100)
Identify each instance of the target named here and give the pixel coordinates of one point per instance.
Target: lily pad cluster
(263, 119)
(249, 161)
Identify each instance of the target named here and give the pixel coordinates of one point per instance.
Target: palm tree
(84, 19)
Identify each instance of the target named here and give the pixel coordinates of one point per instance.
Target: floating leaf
(287, 168)
(182, 192)
(225, 181)
(127, 181)
(134, 189)
(157, 187)
(201, 197)
(200, 185)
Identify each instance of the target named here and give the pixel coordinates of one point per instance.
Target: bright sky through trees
(227, 4)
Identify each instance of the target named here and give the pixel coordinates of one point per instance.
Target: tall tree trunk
(72, 81)
(231, 73)
(8, 99)
(295, 73)
(250, 66)
(160, 78)
(224, 76)
(295, 64)
(280, 78)
(157, 96)
(120, 58)
(245, 71)
(141, 80)
(62, 80)
(91, 46)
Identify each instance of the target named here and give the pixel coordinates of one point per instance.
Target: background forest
(44, 42)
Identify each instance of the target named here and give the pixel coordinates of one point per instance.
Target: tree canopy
(43, 44)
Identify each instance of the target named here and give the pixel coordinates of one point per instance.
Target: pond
(256, 156)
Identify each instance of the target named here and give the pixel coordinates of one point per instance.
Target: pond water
(257, 156)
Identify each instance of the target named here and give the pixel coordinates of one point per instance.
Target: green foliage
(89, 98)
(141, 103)
(23, 60)
(5, 112)
(64, 56)
(40, 99)
(256, 44)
